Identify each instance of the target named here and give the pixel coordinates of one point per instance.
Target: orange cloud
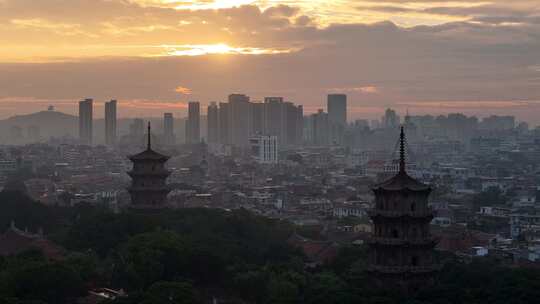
(183, 90)
(368, 90)
(363, 89)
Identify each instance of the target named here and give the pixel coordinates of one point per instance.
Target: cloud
(362, 89)
(384, 54)
(183, 90)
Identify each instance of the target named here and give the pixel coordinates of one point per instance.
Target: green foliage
(47, 282)
(348, 256)
(149, 258)
(17, 207)
(170, 292)
(282, 291)
(327, 288)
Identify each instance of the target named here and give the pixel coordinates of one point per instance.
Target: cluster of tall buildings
(86, 121)
(322, 129)
(236, 121)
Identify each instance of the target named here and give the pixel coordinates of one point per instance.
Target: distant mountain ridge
(50, 123)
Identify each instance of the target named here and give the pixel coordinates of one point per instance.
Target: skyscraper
(274, 118)
(168, 129)
(300, 124)
(240, 124)
(337, 117)
(390, 120)
(224, 134)
(110, 122)
(320, 128)
(402, 255)
(193, 123)
(213, 123)
(257, 114)
(291, 122)
(86, 121)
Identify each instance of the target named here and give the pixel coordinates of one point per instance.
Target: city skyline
(155, 56)
(180, 111)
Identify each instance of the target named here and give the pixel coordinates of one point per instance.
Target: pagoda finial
(402, 151)
(149, 137)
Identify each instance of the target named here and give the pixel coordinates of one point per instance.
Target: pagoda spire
(402, 151)
(149, 137)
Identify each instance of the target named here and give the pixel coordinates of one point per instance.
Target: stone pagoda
(149, 188)
(402, 248)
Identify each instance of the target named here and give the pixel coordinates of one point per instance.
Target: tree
(170, 293)
(50, 283)
(327, 288)
(148, 258)
(281, 291)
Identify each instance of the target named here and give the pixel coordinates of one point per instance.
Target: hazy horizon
(179, 112)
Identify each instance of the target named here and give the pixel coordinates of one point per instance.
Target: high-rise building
(337, 117)
(110, 122)
(300, 124)
(212, 115)
(257, 113)
(149, 188)
(390, 120)
(264, 149)
(402, 248)
(273, 118)
(291, 123)
(193, 123)
(240, 119)
(224, 121)
(86, 121)
(320, 128)
(284, 120)
(168, 129)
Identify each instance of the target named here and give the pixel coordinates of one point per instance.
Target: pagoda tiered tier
(402, 248)
(149, 188)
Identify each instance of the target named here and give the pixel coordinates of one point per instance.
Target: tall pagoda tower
(149, 188)
(402, 248)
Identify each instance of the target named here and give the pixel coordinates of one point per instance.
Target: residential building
(337, 117)
(264, 149)
(193, 123)
(213, 123)
(86, 121)
(168, 129)
(110, 123)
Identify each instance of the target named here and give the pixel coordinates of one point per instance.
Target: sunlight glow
(221, 48)
(196, 4)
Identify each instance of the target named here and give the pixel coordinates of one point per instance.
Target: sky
(479, 57)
